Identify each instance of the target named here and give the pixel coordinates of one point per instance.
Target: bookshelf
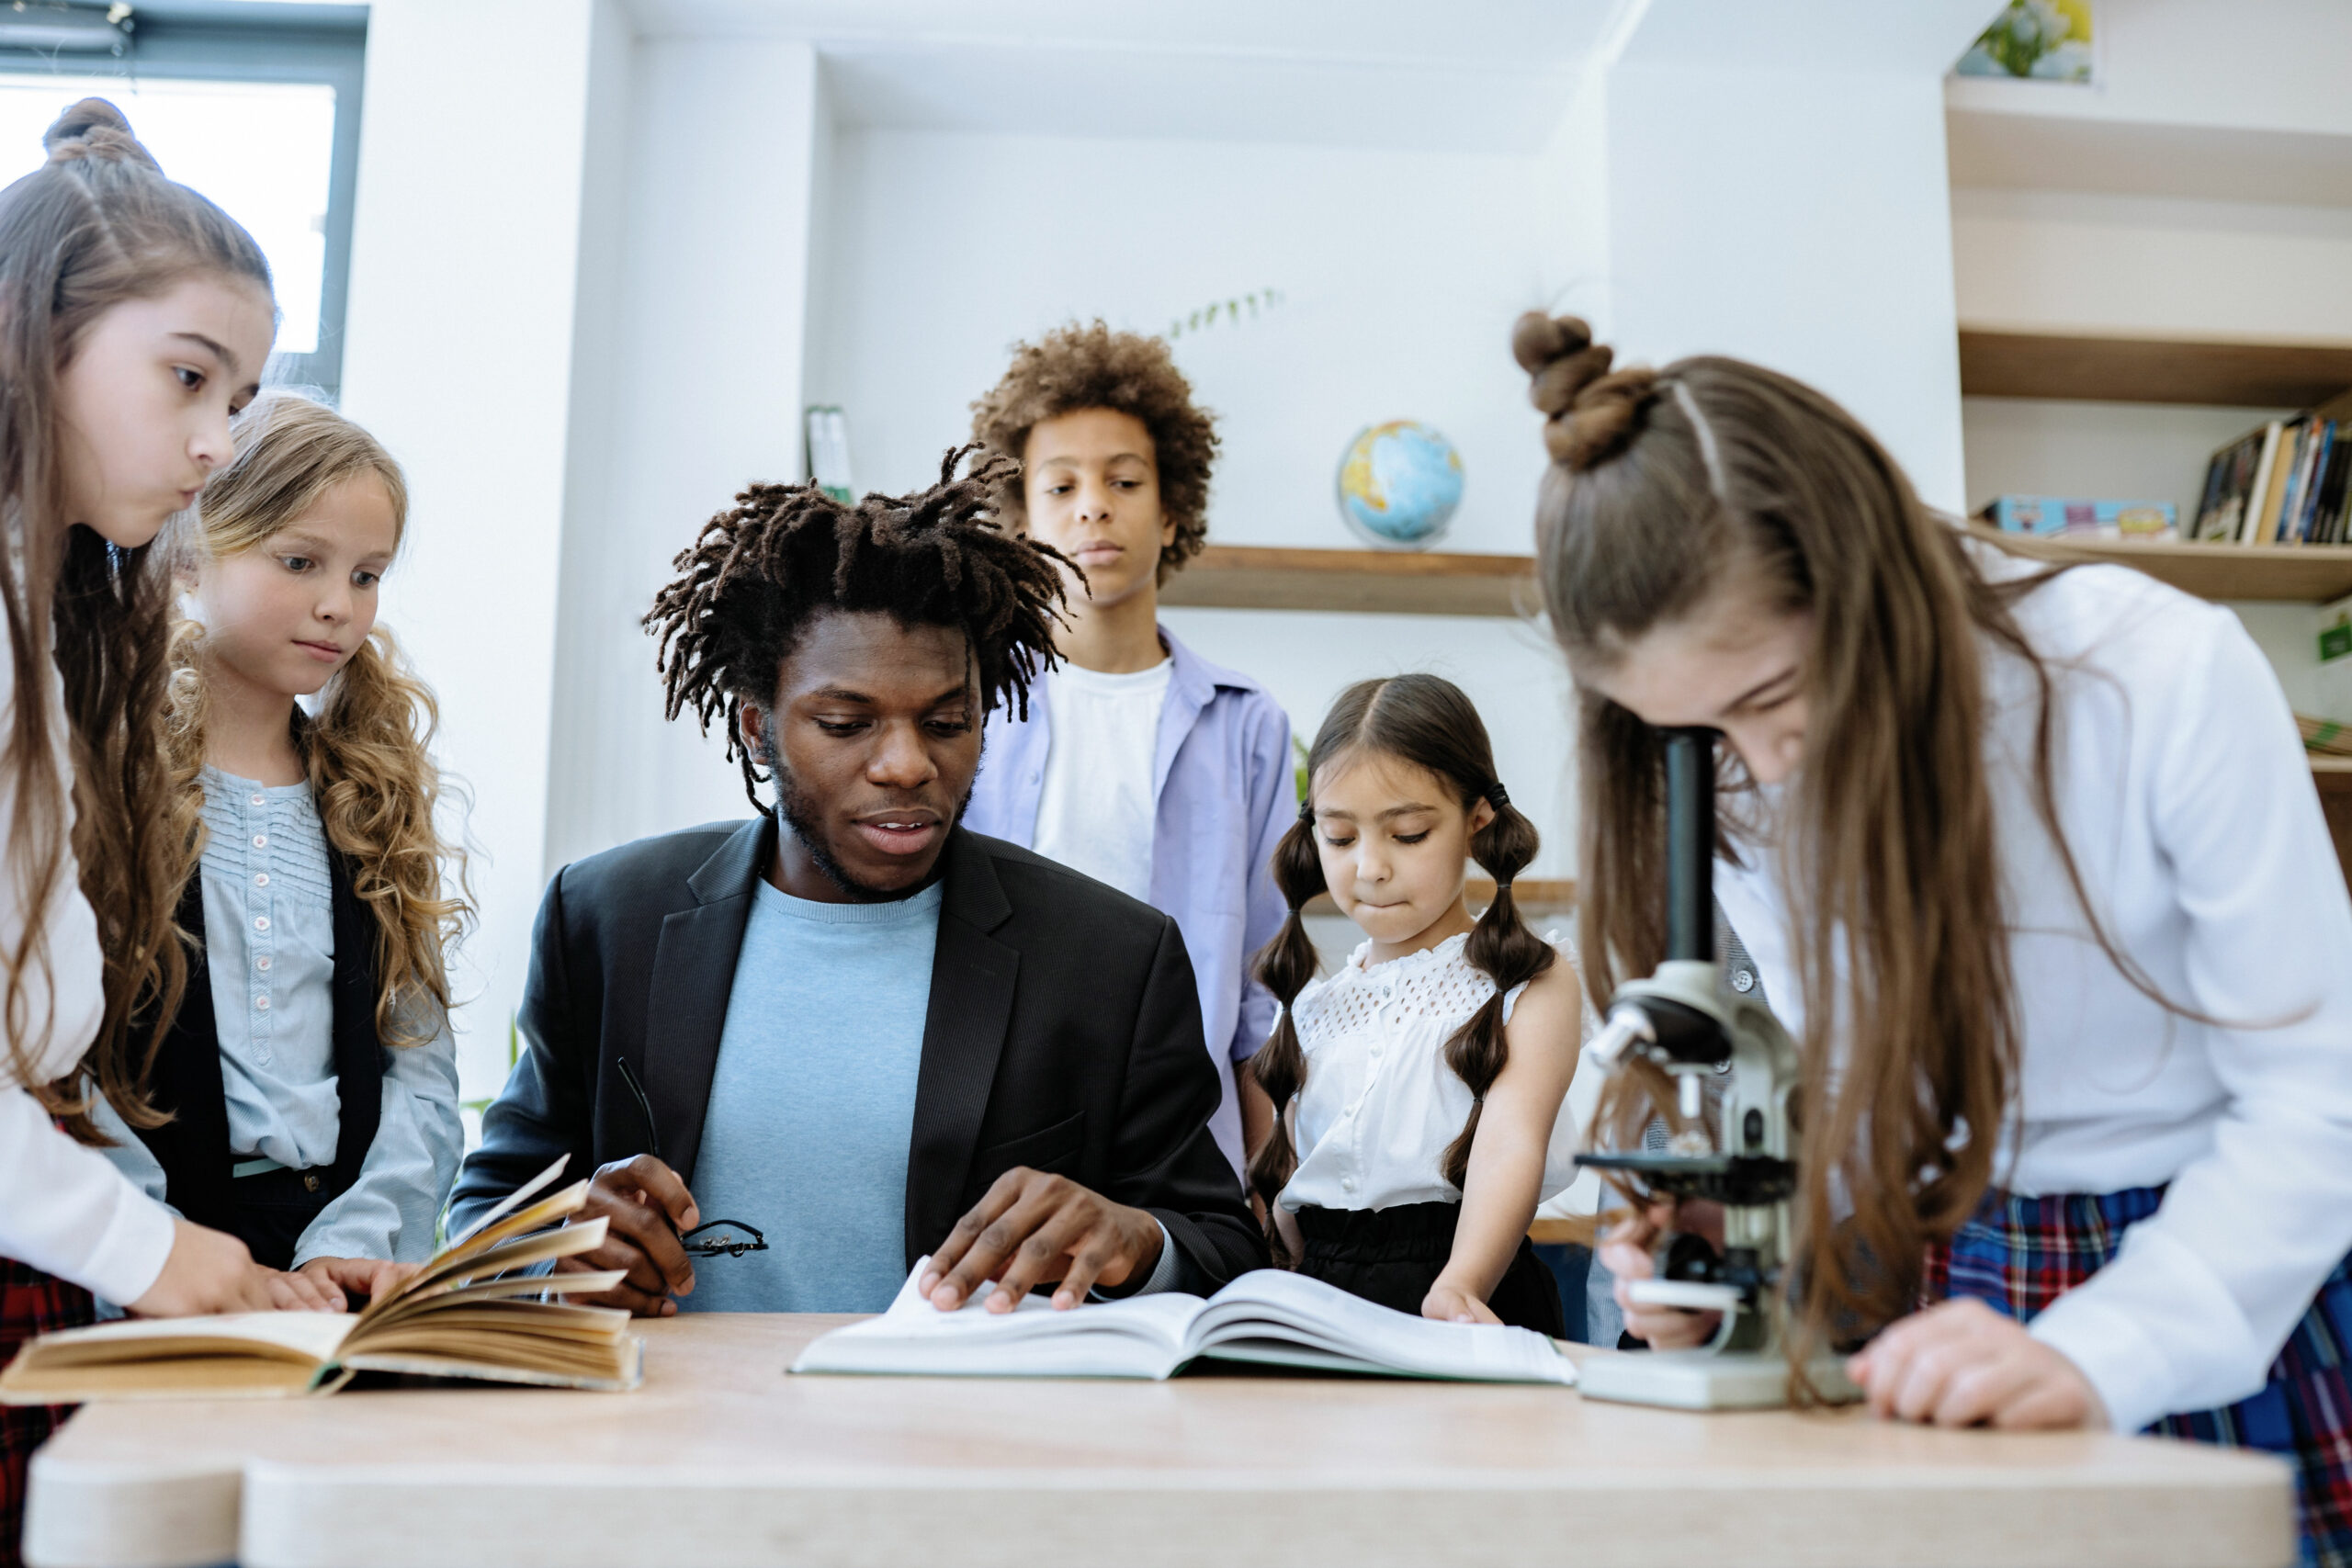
(2002, 363)
(2334, 777)
(2289, 573)
(1399, 582)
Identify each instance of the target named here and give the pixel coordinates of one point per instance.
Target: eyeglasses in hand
(751, 1240)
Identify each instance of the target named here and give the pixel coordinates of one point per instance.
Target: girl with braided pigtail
(1421, 1086)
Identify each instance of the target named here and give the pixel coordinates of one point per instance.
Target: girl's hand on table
(302, 1293)
(1960, 1363)
(1626, 1253)
(209, 1271)
(343, 1278)
(1449, 1302)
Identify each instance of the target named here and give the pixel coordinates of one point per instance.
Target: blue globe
(1399, 484)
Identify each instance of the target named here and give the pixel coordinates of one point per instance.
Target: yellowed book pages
(465, 1314)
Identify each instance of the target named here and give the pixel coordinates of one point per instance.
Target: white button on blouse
(1380, 1105)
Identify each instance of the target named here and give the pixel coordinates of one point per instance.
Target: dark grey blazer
(1063, 1034)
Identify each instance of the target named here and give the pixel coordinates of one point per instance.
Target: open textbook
(1267, 1316)
(457, 1317)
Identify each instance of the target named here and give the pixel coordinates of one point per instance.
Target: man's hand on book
(1031, 1228)
(648, 1206)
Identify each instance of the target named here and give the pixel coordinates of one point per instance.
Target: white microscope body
(1684, 1020)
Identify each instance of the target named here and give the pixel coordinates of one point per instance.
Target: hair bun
(1590, 414)
(94, 129)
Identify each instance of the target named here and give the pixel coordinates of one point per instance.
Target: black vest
(193, 1147)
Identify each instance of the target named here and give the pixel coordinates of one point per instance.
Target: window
(259, 113)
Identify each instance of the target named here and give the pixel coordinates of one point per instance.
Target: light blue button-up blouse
(269, 939)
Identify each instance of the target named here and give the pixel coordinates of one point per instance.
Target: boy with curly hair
(1140, 763)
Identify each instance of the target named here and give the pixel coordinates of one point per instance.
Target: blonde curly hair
(367, 746)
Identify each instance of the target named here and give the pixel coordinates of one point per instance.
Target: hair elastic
(1709, 452)
(1307, 813)
(1497, 797)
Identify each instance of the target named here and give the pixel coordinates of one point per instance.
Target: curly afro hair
(1091, 366)
(783, 555)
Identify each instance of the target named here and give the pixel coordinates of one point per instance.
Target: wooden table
(721, 1459)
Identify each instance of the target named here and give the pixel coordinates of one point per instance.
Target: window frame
(320, 48)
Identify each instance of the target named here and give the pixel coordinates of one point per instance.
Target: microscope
(1685, 1020)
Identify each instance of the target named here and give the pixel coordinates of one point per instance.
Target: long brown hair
(97, 226)
(1426, 721)
(1667, 486)
(368, 747)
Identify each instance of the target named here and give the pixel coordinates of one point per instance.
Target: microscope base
(1705, 1379)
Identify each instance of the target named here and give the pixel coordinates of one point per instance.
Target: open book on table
(464, 1314)
(1267, 1316)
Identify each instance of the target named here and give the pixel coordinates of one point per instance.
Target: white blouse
(1380, 1106)
(2185, 795)
(64, 1209)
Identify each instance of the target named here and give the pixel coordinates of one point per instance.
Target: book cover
(2261, 506)
(2051, 516)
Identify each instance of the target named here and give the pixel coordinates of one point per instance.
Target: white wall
(1401, 275)
(2096, 262)
(459, 356)
(705, 338)
(1798, 218)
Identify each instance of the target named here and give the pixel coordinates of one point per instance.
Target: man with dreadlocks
(851, 1033)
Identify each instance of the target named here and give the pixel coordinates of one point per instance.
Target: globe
(1399, 484)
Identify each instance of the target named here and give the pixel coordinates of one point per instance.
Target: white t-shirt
(1380, 1107)
(2185, 795)
(64, 1209)
(1096, 805)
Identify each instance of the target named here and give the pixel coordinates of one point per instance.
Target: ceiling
(1473, 75)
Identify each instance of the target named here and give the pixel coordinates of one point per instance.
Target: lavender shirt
(1224, 795)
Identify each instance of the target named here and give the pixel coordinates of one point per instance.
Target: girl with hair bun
(1418, 1089)
(2031, 862)
(310, 1078)
(134, 318)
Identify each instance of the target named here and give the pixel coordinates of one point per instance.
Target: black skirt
(275, 1208)
(1394, 1256)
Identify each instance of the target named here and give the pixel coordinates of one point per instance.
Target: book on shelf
(2285, 483)
(1267, 1317)
(2051, 516)
(463, 1315)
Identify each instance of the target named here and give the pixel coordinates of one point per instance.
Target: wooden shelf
(1996, 363)
(1254, 577)
(2295, 573)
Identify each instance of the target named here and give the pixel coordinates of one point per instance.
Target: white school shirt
(2185, 794)
(1096, 806)
(63, 1210)
(1380, 1107)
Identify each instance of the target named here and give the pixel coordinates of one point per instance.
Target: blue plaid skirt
(2018, 1255)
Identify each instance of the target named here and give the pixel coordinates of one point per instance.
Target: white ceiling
(1483, 75)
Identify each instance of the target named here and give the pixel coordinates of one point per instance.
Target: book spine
(2332, 485)
(2217, 474)
(2258, 497)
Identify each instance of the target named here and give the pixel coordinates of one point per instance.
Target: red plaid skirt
(2018, 1255)
(31, 1302)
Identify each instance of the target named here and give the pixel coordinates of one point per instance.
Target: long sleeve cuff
(67, 1211)
(2155, 1333)
(1165, 1274)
